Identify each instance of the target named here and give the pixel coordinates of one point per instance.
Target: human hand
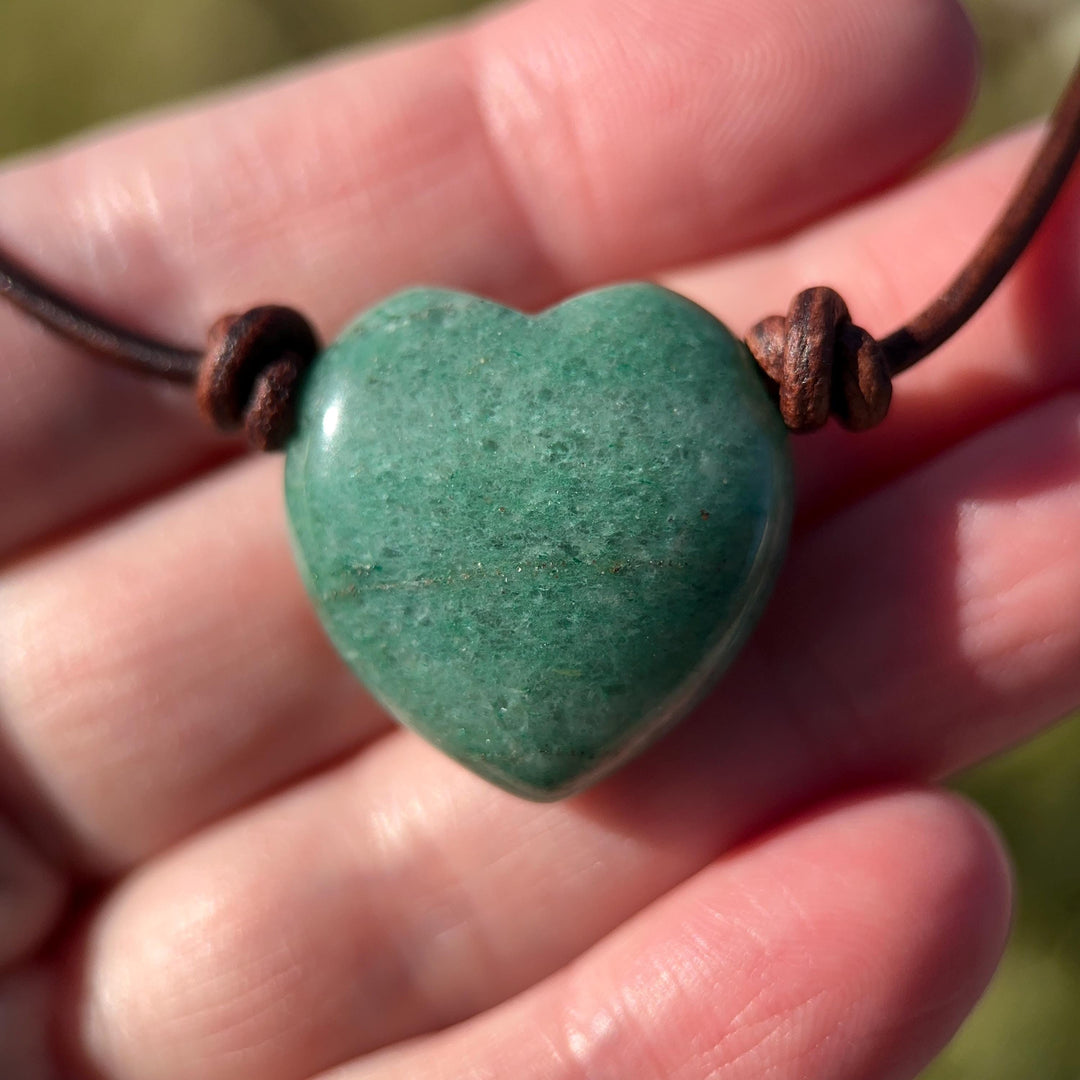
(221, 861)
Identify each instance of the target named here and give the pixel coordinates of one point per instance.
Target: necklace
(540, 539)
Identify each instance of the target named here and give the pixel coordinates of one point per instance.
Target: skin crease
(274, 883)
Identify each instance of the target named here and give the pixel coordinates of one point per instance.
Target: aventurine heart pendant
(538, 539)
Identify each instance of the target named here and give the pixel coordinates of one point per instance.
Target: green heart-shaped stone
(538, 539)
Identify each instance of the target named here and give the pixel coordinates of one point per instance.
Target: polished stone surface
(539, 539)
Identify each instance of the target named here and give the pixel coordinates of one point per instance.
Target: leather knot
(822, 364)
(252, 370)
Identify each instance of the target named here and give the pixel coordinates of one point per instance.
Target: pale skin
(220, 860)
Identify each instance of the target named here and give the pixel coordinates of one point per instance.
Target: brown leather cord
(97, 335)
(247, 377)
(818, 362)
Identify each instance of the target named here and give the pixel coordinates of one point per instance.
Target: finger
(889, 258)
(919, 632)
(561, 143)
(159, 674)
(848, 947)
(758, 964)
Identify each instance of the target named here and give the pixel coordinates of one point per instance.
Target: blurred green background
(65, 64)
